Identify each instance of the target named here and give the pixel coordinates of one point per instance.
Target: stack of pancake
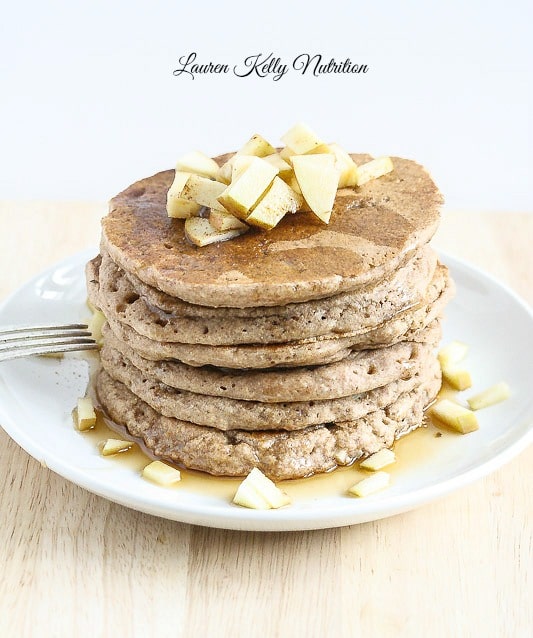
(294, 351)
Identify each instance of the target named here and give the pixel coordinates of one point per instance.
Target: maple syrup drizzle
(413, 448)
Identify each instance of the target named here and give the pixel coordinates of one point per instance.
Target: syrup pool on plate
(419, 445)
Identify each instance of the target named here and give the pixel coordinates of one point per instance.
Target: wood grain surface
(74, 564)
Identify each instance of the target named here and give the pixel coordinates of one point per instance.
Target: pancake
(229, 414)
(420, 265)
(163, 318)
(279, 454)
(292, 351)
(358, 372)
(313, 351)
(372, 230)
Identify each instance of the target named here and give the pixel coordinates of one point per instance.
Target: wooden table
(74, 564)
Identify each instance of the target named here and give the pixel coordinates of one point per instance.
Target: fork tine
(67, 326)
(34, 340)
(20, 351)
(45, 341)
(34, 337)
(30, 332)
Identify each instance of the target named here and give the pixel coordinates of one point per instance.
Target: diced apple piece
(239, 165)
(95, 326)
(301, 139)
(458, 378)
(203, 191)
(179, 181)
(455, 416)
(449, 356)
(374, 169)
(241, 196)
(279, 200)
(200, 232)
(248, 496)
(370, 485)
(270, 492)
(222, 220)
(287, 154)
(284, 168)
(378, 460)
(161, 473)
(318, 179)
(321, 148)
(86, 416)
(293, 183)
(258, 146)
(224, 172)
(198, 163)
(495, 394)
(115, 446)
(178, 207)
(258, 492)
(345, 165)
(452, 353)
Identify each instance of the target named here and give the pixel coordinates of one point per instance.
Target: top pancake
(372, 229)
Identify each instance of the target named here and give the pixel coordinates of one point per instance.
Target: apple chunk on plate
(317, 178)
(279, 200)
(370, 485)
(490, 396)
(258, 492)
(86, 416)
(455, 416)
(161, 473)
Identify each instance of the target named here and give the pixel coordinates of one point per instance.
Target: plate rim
(236, 518)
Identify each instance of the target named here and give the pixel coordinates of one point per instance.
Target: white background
(89, 102)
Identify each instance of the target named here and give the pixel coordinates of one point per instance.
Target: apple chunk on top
(258, 185)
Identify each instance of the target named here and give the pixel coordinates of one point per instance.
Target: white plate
(37, 396)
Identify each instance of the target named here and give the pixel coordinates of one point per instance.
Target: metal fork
(33, 340)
